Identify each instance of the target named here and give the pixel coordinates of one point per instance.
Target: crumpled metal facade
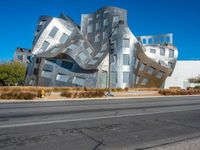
(66, 54)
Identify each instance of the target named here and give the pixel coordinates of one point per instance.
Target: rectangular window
(63, 38)
(150, 70)
(126, 77)
(46, 74)
(82, 56)
(136, 63)
(97, 38)
(153, 51)
(160, 74)
(89, 50)
(144, 41)
(105, 35)
(62, 77)
(92, 62)
(79, 81)
(126, 59)
(105, 22)
(53, 32)
(126, 43)
(97, 26)
(45, 45)
(114, 77)
(150, 41)
(115, 19)
(162, 51)
(142, 66)
(171, 53)
(89, 28)
(170, 65)
(73, 47)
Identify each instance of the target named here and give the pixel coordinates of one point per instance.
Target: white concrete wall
(182, 72)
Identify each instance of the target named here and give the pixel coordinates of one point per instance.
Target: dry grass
(179, 92)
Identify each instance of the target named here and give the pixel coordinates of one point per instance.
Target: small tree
(12, 73)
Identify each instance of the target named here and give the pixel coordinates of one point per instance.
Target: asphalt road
(134, 124)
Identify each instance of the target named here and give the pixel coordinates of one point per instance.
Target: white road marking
(86, 119)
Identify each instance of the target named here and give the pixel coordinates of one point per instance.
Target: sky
(18, 20)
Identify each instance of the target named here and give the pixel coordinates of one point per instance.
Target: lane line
(87, 119)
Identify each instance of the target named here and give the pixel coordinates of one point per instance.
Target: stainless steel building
(23, 55)
(66, 54)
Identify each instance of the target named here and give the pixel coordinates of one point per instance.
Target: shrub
(66, 94)
(126, 89)
(84, 94)
(18, 95)
(179, 92)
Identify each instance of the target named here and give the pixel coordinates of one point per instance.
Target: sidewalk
(193, 144)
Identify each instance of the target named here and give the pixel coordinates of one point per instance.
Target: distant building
(183, 71)
(68, 55)
(23, 55)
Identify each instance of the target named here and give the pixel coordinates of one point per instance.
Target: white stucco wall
(182, 72)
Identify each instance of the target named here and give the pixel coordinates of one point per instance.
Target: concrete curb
(93, 99)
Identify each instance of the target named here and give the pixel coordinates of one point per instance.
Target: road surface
(135, 124)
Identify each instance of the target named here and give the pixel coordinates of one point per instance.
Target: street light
(110, 52)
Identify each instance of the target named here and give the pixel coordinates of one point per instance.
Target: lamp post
(110, 52)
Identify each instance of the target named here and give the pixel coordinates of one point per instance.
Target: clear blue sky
(181, 17)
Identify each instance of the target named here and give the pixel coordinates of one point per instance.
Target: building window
(105, 22)
(105, 35)
(153, 51)
(170, 64)
(142, 66)
(35, 71)
(97, 26)
(73, 47)
(144, 81)
(82, 56)
(62, 77)
(160, 74)
(144, 41)
(114, 77)
(98, 55)
(136, 62)
(89, 50)
(53, 32)
(126, 59)
(115, 19)
(126, 43)
(90, 19)
(45, 45)
(150, 41)
(162, 51)
(89, 29)
(79, 81)
(63, 38)
(46, 74)
(92, 62)
(104, 47)
(171, 53)
(67, 64)
(97, 38)
(150, 70)
(126, 77)
(20, 57)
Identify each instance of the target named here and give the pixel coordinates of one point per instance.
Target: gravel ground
(193, 144)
